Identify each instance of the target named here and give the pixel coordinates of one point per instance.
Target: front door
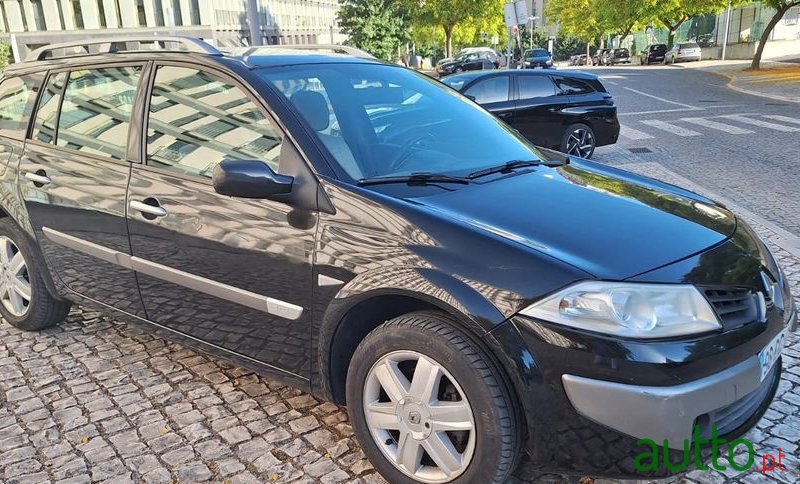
(494, 94)
(235, 273)
(73, 177)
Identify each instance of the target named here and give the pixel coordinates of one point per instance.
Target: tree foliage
(5, 54)
(378, 26)
(449, 15)
(781, 7)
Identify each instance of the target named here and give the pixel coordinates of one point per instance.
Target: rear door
(539, 111)
(494, 94)
(73, 178)
(232, 272)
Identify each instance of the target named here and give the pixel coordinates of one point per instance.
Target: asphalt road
(743, 147)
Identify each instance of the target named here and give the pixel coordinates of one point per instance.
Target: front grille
(734, 306)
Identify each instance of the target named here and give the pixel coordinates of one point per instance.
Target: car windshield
(536, 53)
(383, 120)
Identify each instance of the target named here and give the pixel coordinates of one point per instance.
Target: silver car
(683, 52)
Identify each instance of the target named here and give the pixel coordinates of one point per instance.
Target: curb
(732, 87)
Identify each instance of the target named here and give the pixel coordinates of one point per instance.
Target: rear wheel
(25, 301)
(579, 141)
(429, 406)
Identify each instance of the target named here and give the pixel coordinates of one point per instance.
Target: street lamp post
(727, 29)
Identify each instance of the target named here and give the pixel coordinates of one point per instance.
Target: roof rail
(112, 45)
(335, 48)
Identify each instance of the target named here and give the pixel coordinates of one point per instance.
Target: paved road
(746, 148)
(94, 400)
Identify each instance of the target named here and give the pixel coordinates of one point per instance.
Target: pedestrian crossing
(690, 127)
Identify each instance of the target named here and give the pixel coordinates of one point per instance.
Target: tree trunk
(671, 38)
(588, 56)
(765, 35)
(448, 37)
(673, 29)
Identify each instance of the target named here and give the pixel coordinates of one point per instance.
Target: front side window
(531, 87)
(96, 111)
(44, 128)
(197, 120)
(392, 121)
(17, 96)
(491, 90)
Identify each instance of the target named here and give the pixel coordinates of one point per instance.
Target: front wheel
(428, 406)
(579, 141)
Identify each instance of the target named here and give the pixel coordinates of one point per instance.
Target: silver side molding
(253, 300)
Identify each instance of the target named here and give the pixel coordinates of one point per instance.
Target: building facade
(227, 23)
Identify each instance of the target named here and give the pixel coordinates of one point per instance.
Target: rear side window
(17, 96)
(531, 87)
(573, 87)
(96, 111)
(491, 90)
(197, 120)
(44, 128)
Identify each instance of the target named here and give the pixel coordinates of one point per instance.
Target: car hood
(609, 223)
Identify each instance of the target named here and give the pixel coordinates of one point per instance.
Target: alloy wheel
(15, 282)
(580, 143)
(419, 417)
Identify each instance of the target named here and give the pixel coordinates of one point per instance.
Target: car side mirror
(249, 179)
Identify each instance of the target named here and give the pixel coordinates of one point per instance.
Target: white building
(33, 23)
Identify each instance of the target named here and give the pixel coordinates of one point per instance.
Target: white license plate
(769, 355)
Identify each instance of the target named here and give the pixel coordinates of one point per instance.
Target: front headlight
(628, 309)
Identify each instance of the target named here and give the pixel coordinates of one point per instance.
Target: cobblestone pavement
(97, 400)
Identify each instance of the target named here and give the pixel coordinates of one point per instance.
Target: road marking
(727, 128)
(785, 119)
(687, 106)
(631, 133)
(757, 122)
(657, 111)
(670, 128)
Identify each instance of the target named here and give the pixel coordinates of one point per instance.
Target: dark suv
(365, 233)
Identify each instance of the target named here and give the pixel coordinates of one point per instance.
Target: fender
(430, 287)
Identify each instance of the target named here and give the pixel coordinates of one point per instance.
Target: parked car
(707, 40)
(470, 62)
(569, 111)
(683, 52)
(653, 53)
(600, 57)
(469, 50)
(581, 61)
(573, 60)
(533, 58)
(619, 56)
(353, 229)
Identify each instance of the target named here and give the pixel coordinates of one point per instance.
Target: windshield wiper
(422, 178)
(509, 166)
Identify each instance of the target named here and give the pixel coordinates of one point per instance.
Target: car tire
(581, 134)
(28, 309)
(460, 371)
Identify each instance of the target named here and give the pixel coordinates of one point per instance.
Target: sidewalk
(775, 80)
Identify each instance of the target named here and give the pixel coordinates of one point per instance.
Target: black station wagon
(369, 235)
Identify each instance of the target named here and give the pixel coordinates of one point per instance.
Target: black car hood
(609, 223)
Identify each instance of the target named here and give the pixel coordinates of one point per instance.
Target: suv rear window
(690, 45)
(573, 87)
(17, 96)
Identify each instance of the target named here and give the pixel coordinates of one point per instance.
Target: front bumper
(587, 400)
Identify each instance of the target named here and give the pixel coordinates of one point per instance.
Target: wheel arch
(353, 314)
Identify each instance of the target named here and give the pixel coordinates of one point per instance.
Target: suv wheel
(428, 405)
(25, 301)
(579, 141)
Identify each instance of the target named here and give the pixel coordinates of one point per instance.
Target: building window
(101, 12)
(195, 12)
(159, 13)
(176, 12)
(77, 14)
(140, 13)
(38, 14)
(792, 16)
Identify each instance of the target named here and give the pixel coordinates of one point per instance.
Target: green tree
(673, 13)
(781, 7)
(448, 14)
(578, 19)
(378, 26)
(5, 54)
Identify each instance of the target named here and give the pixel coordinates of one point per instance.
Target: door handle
(39, 178)
(147, 209)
